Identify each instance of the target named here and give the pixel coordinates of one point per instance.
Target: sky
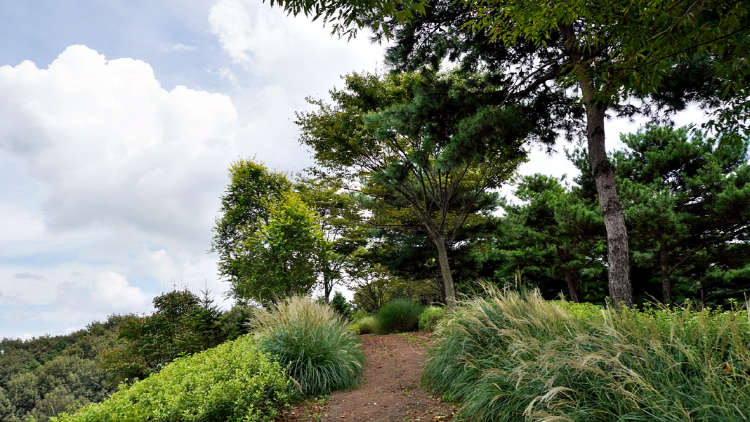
(118, 122)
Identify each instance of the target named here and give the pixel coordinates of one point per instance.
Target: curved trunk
(445, 272)
(620, 290)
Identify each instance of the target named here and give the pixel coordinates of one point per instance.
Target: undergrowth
(430, 317)
(231, 382)
(511, 356)
(368, 325)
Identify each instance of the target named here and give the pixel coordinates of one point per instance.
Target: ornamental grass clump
(511, 357)
(232, 382)
(320, 352)
(368, 325)
(399, 315)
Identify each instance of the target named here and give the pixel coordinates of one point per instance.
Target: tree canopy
(418, 144)
(600, 52)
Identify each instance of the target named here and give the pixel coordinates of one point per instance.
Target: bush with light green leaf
(232, 382)
(399, 316)
(368, 325)
(430, 317)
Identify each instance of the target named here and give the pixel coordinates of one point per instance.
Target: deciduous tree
(280, 258)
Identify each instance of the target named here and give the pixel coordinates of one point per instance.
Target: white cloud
(181, 47)
(293, 51)
(113, 293)
(111, 183)
(108, 146)
(113, 168)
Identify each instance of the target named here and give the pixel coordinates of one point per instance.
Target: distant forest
(44, 376)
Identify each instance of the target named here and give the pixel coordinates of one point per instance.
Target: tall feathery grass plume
(512, 356)
(320, 352)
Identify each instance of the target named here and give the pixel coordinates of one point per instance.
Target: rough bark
(666, 284)
(445, 272)
(620, 289)
(327, 288)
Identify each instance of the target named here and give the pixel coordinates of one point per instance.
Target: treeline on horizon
(44, 376)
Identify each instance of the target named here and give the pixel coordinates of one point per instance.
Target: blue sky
(118, 122)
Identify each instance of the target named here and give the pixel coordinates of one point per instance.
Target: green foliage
(182, 324)
(341, 306)
(375, 286)
(686, 199)
(280, 258)
(244, 208)
(232, 382)
(43, 376)
(338, 214)
(511, 357)
(270, 241)
(359, 314)
(430, 317)
(555, 239)
(424, 153)
(400, 315)
(234, 322)
(368, 325)
(310, 340)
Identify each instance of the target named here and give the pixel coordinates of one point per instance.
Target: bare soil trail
(390, 390)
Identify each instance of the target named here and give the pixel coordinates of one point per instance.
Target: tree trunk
(666, 284)
(620, 290)
(445, 272)
(441, 286)
(570, 278)
(327, 288)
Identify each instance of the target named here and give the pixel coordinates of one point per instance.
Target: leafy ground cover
(232, 382)
(511, 357)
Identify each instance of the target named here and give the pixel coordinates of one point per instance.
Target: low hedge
(234, 381)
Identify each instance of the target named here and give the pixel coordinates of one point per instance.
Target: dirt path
(390, 390)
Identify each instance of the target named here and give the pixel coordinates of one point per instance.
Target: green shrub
(359, 314)
(232, 382)
(430, 317)
(368, 325)
(400, 315)
(514, 357)
(319, 351)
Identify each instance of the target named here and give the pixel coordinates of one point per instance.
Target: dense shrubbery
(319, 351)
(232, 382)
(430, 317)
(512, 357)
(184, 323)
(400, 315)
